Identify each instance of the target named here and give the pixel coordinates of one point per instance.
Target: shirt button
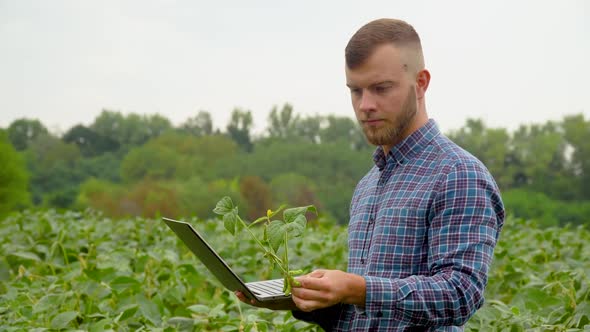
(371, 220)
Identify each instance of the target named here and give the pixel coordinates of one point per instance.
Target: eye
(355, 91)
(380, 89)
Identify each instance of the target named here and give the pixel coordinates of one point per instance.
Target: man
(425, 219)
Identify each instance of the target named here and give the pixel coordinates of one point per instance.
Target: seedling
(276, 234)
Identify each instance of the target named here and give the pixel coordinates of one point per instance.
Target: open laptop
(270, 291)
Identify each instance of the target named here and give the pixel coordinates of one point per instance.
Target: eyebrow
(351, 86)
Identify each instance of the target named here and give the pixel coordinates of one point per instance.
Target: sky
(505, 62)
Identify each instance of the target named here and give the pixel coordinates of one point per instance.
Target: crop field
(82, 271)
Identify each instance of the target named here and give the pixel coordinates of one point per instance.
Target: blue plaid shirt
(423, 226)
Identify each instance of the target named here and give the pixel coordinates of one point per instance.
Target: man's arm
(467, 218)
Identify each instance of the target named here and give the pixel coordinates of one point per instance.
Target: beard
(392, 131)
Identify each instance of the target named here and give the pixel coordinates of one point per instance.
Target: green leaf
(26, 255)
(127, 312)
(199, 308)
(276, 233)
(182, 323)
(225, 205)
(229, 221)
(290, 215)
(297, 227)
(100, 326)
(61, 320)
(123, 283)
(149, 310)
(47, 302)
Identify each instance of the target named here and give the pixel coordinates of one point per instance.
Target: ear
(422, 81)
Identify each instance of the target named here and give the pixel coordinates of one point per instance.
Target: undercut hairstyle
(383, 31)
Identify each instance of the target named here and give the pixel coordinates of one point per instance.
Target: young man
(425, 219)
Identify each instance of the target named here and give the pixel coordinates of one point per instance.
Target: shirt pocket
(399, 243)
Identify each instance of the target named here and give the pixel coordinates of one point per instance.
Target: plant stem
(286, 268)
(275, 257)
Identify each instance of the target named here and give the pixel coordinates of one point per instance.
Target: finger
(317, 273)
(313, 275)
(307, 294)
(313, 283)
(306, 305)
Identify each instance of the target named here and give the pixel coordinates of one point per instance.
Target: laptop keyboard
(268, 287)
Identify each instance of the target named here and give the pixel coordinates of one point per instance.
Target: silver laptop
(262, 291)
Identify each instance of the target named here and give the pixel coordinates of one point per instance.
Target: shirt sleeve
(466, 217)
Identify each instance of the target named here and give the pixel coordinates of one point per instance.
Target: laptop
(268, 291)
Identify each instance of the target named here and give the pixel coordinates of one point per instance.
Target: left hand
(325, 288)
(281, 305)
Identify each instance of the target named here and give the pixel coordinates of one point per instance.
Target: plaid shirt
(423, 226)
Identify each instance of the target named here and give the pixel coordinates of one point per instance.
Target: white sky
(62, 62)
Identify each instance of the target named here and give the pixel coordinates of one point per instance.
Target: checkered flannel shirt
(423, 226)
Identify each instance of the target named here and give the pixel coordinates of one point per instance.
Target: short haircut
(378, 32)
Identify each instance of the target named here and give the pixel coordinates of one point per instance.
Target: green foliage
(151, 161)
(199, 125)
(55, 177)
(131, 130)
(23, 131)
(89, 142)
(546, 211)
(276, 234)
(256, 195)
(239, 128)
(13, 179)
(86, 272)
(326, 154)
(294, 188)
(82, 271)
(539, 280)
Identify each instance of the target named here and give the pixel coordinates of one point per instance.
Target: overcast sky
(62, 62)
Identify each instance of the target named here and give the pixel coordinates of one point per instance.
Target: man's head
(387, 79)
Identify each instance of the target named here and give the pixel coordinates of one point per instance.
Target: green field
(82, 271)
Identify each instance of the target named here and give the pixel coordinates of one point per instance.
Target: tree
(132, 130)
(295, 190)
(491, 146)
(23, 131)
(257, 196)
(239, 128)
(13, 178)
(308, 128)
(199, 125)
(55, 176)
(343, 129)
(538, 161)
(282, 124)
(577, 134)
(89, 142)
(151, 161)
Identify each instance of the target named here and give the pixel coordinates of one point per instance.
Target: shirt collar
(408, 147)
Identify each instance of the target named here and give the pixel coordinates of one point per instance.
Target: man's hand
(325, 288)
(268, 305)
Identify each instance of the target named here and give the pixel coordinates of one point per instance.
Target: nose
(367, 102)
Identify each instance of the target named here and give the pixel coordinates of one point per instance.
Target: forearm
(443, 299)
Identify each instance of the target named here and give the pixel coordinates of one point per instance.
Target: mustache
(370, 118)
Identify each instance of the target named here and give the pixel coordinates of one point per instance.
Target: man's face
(383, 96)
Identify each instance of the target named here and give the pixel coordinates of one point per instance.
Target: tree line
(143, 165)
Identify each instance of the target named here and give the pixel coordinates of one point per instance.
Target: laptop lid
(214, 263)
